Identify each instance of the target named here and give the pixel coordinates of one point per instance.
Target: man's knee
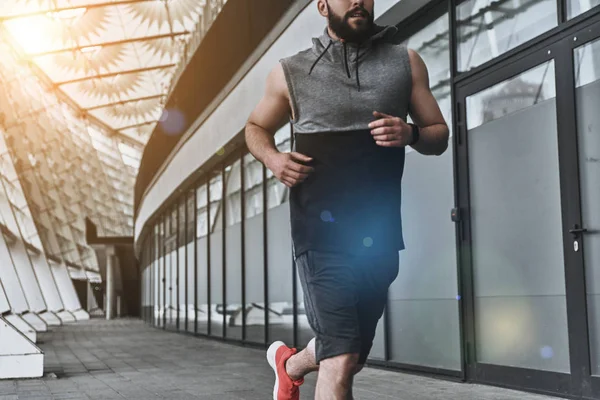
(358, 368)
(344, 366)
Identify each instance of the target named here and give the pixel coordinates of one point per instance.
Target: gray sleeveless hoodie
(351, 203)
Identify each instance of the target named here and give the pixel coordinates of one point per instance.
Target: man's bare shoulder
(276, 83)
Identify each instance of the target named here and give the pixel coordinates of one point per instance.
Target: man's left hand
(390, 131)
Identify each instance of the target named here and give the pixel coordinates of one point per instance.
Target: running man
(348, 98)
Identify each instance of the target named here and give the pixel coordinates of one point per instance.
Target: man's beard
(342, 29)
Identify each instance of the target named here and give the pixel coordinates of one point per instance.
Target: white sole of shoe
(271, 352)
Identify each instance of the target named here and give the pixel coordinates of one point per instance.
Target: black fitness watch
(416, 133)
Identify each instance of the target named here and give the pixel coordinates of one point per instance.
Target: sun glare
(33, 33)
(37, 34)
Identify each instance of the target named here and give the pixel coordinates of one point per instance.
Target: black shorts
(344, 298)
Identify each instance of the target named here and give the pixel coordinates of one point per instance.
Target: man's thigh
(376, 275)
(331, 296)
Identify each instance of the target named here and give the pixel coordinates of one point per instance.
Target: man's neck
(337, 38)
(333, 35)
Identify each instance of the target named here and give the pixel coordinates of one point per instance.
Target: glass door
(515, 291)
(529, 193)
(580, 119)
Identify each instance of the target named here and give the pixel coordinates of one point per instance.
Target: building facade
(499, 277)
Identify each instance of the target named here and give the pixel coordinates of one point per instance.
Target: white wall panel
(50, 319)
(65, 286)
(35, 321)
(231, 115)
(19, 356)
(27, 276)
(22, 326)
(10, 280)
(47, 283)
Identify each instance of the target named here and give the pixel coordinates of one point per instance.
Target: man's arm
(425, 111)
(392, 131)
(270, 113)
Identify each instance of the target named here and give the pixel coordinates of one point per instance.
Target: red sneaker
(285, 388)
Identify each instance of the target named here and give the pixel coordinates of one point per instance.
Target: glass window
(234, 197)
(587, 68)
(202, 303)
(577, 7)
(254, 255)
(277, 192)
(518, 279)
(191, 262)
(181, 266)
(233, 246)
(217, 311)
(489, 28)
(216, 194)
(202, 211)
(423, 314)
(279, 254)
(253, 191)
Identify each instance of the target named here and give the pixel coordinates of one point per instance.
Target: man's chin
(361, 33)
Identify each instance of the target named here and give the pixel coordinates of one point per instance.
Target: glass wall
(279, 252)
(215, 213)
(233, 259)
(202, 284)
(423, 310)
(489, 28)
(181, 266)
(254, 286)
(576, 7)
(237, 234)
(587, 83)
(190, 248)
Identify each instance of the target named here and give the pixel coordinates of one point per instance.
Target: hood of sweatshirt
(335, 51)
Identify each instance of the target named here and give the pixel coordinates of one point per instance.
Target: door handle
(576, 230)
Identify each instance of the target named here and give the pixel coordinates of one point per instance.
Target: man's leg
(302, 363)
(336, 376)
(331, 299)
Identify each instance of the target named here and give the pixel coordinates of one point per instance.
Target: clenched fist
(288, 167)
(390, 131)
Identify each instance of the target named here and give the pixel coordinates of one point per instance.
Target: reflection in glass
(157, 275)
(191, 265)
(577, 7)
(423, 313)
(528, 89)
(489, 28)
(277, 192)
(202, 302)
(162, 315)
(217, 315)
(173, 269)
(253, 250)
(279, 252)
(519, 279)
(181, 267)
(587, 70)
(233, 261)
(432, 43)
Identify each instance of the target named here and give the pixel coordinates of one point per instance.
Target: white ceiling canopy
(115, 60)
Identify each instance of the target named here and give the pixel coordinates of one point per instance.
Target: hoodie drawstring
(320, 56)
(346, 61)
(347, 67)
(357, 77)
